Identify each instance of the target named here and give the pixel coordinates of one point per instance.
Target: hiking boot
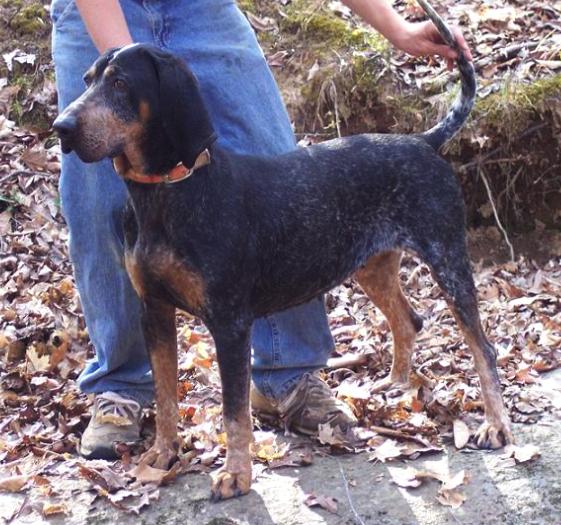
(115, 419)
(309, 404)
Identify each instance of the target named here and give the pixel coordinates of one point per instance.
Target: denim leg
(93, 198)
(249, 116)
(215, 39)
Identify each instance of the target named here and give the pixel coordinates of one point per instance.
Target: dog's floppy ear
(183, 112)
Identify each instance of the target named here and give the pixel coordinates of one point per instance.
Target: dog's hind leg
(379, 278)
(234, 361)
(451, 270)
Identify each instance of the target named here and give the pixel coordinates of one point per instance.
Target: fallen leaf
(461, 434)
(522, 454)
(40, 363)
(148, 474)
(13, 483)
(450, 498)
(406, 477)
(388, 450)
(325, 502)
(49, 509)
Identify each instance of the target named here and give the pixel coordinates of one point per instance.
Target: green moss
(23, 81)
(366, 71)
(30, 19)
(322, 28)
(16, 111)
(11, 3)
(532, 94)
(246, 5)
(514, 105)
(25, 84)
(21, 111)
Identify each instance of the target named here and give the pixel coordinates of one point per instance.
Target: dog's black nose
(65, 125)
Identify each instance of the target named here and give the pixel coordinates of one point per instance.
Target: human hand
(422, 38)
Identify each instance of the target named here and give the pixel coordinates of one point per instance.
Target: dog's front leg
(158, 324)
(233, 353)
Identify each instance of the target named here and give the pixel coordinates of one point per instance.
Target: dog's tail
(463, 104)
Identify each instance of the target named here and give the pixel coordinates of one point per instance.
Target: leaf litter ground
(45, 344)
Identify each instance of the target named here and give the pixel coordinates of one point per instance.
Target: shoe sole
(109, 454)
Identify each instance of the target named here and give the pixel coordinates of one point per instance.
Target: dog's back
(321, 212)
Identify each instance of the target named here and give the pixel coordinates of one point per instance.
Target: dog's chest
(156, 272)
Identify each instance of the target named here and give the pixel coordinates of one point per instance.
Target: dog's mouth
(90, 150)
(121, 164)
(89, 146)
(91, 131)
(65, 145)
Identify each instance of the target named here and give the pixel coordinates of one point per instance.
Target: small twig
(496, 213)
(335, 107)
(358, 519)
(383, 431)
(481, 160)
(19, 511)
(511, 51)
(454, 516)
(347, 361)
(43, 452)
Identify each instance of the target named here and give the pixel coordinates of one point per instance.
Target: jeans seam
(275, 341)
(153, 15)
(266, 384)
(164, 32)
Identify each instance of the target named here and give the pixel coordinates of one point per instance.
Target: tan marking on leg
(379, 279)
(496, 431)
(185, 282)
(161, 340)
(135, 273)
(234, 478)
(163, 266)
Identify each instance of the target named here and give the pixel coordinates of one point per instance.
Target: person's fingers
(444, 51)
(462, 44)
(433, 35)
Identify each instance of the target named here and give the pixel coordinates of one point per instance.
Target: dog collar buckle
(177, 174)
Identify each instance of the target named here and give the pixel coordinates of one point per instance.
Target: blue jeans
(216, 41)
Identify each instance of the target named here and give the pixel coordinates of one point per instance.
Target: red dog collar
(176, 174)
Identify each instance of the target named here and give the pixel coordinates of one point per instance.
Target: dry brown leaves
(449, 493)
(43, 345)
(510, 41)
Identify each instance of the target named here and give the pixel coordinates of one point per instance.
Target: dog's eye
(119, 84)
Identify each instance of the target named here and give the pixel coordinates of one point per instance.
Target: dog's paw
(227, 484)
(494, 435)
(386, 384)
(160, 455)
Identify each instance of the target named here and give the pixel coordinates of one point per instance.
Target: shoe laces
(115, 409)
(310, 392)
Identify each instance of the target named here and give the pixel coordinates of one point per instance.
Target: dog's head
(141, 104)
